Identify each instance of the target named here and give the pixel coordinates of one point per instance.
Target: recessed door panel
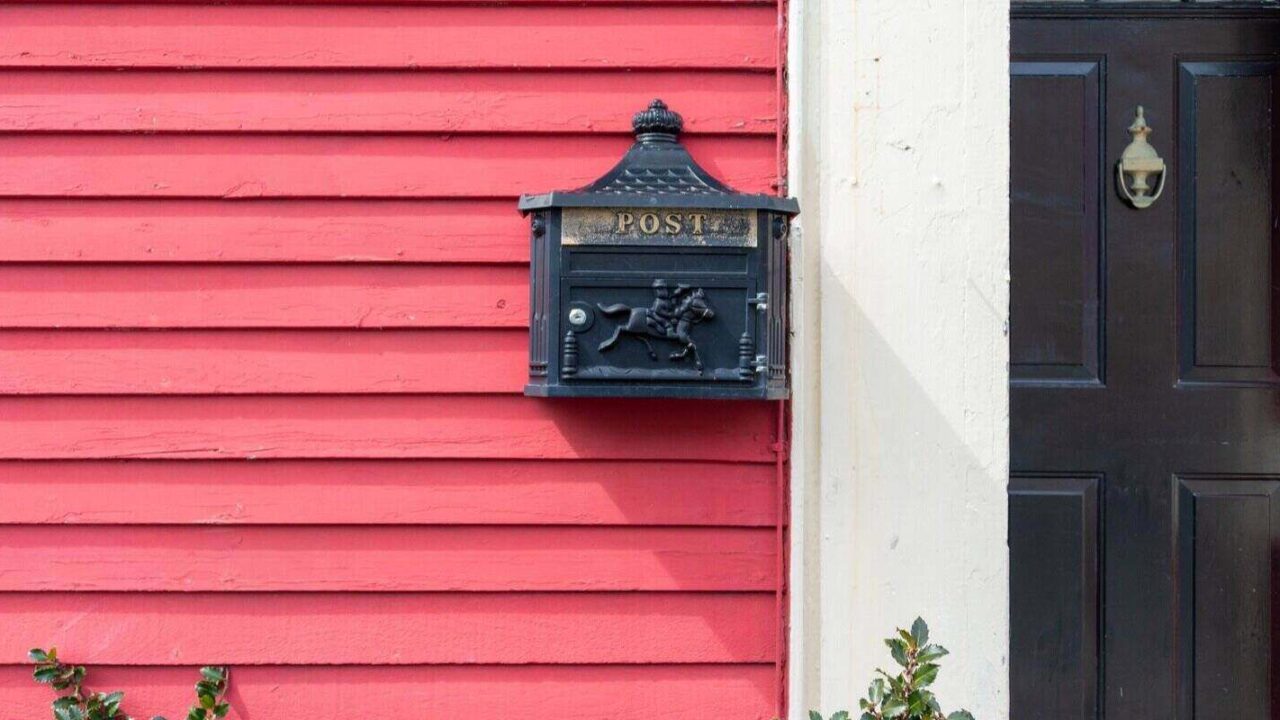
(1056, 261)
(1228, 325)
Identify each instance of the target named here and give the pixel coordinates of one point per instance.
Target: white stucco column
(899, 155)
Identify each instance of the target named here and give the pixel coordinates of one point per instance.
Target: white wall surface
(899, 155)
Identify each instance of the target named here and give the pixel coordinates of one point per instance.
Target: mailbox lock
(577, 316)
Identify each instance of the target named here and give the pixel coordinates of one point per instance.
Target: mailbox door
(644, 315)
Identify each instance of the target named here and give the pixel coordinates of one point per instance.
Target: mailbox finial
(657, 123)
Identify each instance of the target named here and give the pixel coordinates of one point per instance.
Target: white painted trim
(899, 155)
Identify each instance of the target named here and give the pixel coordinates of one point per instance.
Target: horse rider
(662, 314)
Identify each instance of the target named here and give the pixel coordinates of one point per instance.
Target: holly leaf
(893, 707)
(920, 631)
(898, 649)
(929, 653)
(925, 675)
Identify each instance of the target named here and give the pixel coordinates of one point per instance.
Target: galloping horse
(693, 309)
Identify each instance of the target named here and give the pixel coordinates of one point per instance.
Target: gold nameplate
(671, 227)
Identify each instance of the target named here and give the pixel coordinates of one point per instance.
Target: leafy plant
(905, 695)
(74, 703)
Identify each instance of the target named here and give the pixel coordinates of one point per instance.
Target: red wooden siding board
(506, 427)
(353, 559)
(300, 166)
(371, 102)
(263, 363)
(263, 296)
(388, 492)
(390, 37)
(390, 628)
(293, 231)
(682, 692)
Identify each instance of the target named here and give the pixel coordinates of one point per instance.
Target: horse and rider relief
(671, 317)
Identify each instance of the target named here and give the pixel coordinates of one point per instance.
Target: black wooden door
(1145, 496)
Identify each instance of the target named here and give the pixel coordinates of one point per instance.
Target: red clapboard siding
(263, 296)
(263, 363)
(285, 559)
(386, 102)
(449, 426)
(508, 628)
(263, 299)
(283, 231)
(635, 36)
(381, 492)
(437, 166)
(681, 692)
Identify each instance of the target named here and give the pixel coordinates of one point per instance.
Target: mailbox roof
(658, 172)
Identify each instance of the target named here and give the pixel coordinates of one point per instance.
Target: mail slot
(658, 280)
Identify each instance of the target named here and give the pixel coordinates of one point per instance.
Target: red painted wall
(263, 298)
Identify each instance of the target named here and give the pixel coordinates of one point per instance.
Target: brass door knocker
(1138, 164)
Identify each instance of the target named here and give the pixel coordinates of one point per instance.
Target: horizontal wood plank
(388, 492)
(391, 628)
(263, 296)
(362, 559)
(683, 692)
(141, 35)
(285, 231)
(37, 362)
(501, 427)
(378, 102)
(302, 166)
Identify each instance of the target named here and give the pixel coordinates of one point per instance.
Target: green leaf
(960, 715)
(37, 655)
(925, 675)
(867, 716)
(894, 707)
(916, 704)
(204, 687)
(207, 702)
(195, 714)
(877, 691)
(920, 631)
(815, 715)
(67, 708)
(45, 674)
(840, 715)
(214, 674)
(221, 709)
(929, 653)
(898, 649)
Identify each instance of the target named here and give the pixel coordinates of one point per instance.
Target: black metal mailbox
(658, 280)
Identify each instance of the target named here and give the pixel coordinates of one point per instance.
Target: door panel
(1227, 528)
(1055, 201)
(1054, 569)
(1144, 536)
(1227, 320)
